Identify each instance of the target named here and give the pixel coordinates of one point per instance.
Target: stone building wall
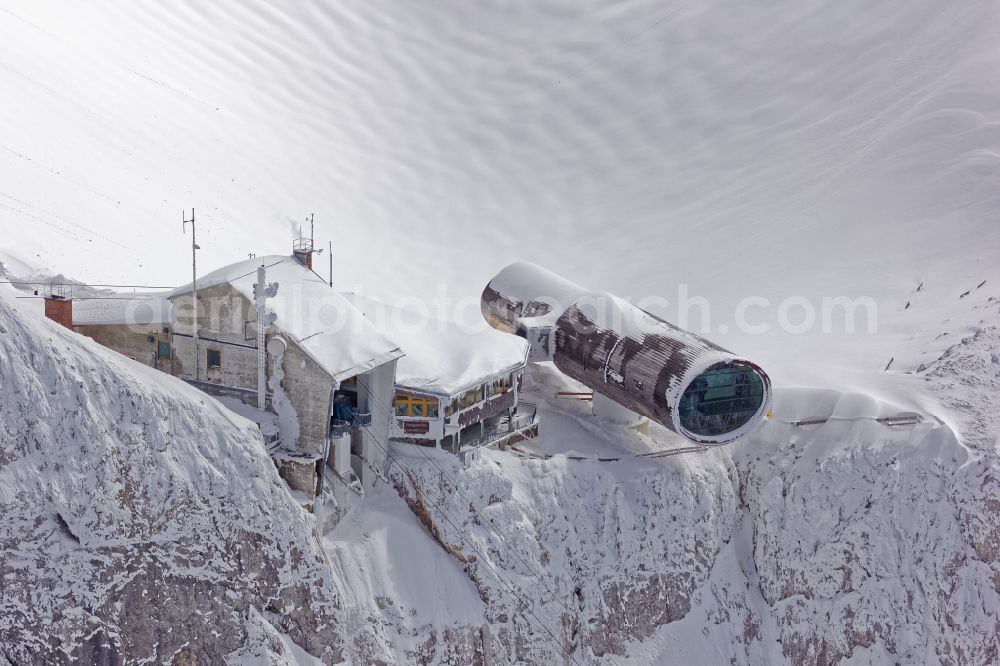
(308, 387)
(132, 341)
(223, 314)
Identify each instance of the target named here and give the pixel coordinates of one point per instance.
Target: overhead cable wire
(58, 217)
(485, 521)
(504, 583)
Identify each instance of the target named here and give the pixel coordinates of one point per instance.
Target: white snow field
(778, 150)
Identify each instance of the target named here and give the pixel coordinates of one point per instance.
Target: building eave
(367, 366)
(432, 390)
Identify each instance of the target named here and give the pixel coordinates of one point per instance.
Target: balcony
(342, 427)
(339, 428)
(502, 427)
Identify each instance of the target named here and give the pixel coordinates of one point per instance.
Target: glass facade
(721, 400)
(478, 394)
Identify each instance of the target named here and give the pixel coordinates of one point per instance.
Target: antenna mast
(194, 292)
(259, 290)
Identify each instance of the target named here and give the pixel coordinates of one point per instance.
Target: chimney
(59, 305)
(302, 250)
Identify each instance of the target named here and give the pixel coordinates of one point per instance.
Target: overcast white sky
(773, 149)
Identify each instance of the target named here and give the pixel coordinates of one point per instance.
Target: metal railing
(350, 479)
(339, 428)
(271, 440)
(245, 395)
(526, 418)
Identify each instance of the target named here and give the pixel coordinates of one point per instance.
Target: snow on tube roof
(684, 382)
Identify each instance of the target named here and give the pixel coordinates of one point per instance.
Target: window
(163, 349)
(411, 405)
(721, 400)
(214, 358)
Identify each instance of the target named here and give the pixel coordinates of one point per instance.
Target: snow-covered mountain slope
(142, 521)
(799, 149)
(844, 542)
(405, 600)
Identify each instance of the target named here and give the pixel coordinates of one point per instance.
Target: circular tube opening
(721, 400)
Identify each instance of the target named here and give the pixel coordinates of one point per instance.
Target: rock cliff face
(861, 549)
(847, 540)
(583, 558)
(141, 520)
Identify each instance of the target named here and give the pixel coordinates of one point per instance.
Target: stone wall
(308, 387)
(223, 314)
(131, 341)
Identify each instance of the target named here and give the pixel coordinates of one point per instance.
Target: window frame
(406, 405)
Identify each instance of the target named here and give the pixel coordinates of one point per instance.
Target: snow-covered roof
(442, 356)
(137, 309)
(530, 287)
(323, 323)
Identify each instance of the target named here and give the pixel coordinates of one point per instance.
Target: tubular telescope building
(688, 384)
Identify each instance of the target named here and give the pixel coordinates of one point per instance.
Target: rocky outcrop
(142, 521)
(850, 540)
(575, 561)
(863, 548)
